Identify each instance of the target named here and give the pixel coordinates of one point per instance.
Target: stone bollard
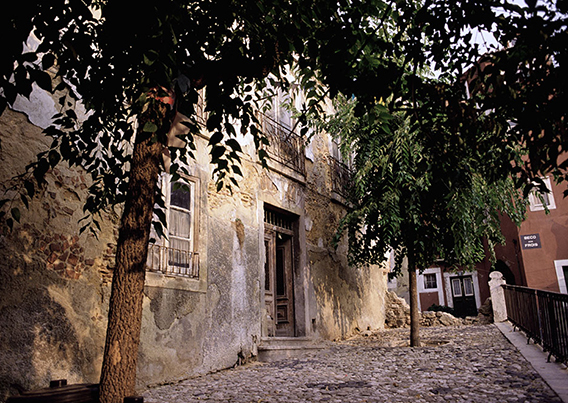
(498, 296)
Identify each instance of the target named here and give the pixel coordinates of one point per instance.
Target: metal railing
(285, 146)
(172, 262)
(340, 177)
(542, 315)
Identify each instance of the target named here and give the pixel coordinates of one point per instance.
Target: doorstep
(278, 348)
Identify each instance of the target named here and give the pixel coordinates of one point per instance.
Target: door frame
(448, 286)
(560, 274)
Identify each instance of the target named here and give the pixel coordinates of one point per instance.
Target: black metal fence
(542, 315)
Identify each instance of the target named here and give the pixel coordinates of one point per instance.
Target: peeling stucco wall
(55, 282)
(348, 299)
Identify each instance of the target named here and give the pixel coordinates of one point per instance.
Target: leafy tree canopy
(119, 59)
(415, 198)
(143, 61)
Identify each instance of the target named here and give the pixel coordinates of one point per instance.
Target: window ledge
(160, 280)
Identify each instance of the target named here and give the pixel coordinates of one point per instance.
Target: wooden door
(279, 286)
(269, 271)
(284, 287)
(463, 296)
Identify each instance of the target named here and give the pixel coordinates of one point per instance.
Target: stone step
(278, 348)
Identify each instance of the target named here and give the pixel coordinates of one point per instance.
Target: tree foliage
(420, 201)
(443, 155)
(133, 65)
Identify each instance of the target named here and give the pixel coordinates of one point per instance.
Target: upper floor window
(341, 174)
(540, 200)
(176, 254)
(430, 281)
(279, 110)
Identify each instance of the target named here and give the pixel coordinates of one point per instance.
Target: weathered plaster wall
(55, 282)
(186, 333)
(348, 299)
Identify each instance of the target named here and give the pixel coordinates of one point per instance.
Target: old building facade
(236, 269)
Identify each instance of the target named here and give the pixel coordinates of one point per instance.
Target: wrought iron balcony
(172, 262)
(286, 147)
(340, 177)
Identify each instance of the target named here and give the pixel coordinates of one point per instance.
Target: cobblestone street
(458, 364)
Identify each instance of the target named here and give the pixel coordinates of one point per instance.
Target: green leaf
(161, 216)
(30, 188)
(47, 61)
(237, 170)
(25, 200)
(42, 79)
(16, 213)
(234, 144)
(159, 228)
(54, 158)
(150, 127)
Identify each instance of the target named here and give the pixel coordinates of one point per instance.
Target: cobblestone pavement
(458, 364)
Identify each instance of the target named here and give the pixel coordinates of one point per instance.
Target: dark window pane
(180, 195)
(266, 267)
(430, 281)
(280, 275)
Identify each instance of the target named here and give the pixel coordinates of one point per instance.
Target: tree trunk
(414, 312)
(118, 374)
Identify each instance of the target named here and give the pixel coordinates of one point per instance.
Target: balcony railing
(542, 315)
(286, 147)
(340, 177)
(172, 262)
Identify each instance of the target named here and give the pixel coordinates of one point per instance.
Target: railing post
(539, 313)
(498, 296)
(552, 323)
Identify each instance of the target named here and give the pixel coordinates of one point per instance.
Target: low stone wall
(397, 314)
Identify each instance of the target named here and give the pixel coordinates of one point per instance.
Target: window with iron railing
(285, 146)
(175, 254)
(340, 177)
(341, 174)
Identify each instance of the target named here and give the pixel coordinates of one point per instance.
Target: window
(456, 287)
(468, 286)
(278, 124)
(430, 281)
(561, 267)
(176, 255)
(541, 200)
